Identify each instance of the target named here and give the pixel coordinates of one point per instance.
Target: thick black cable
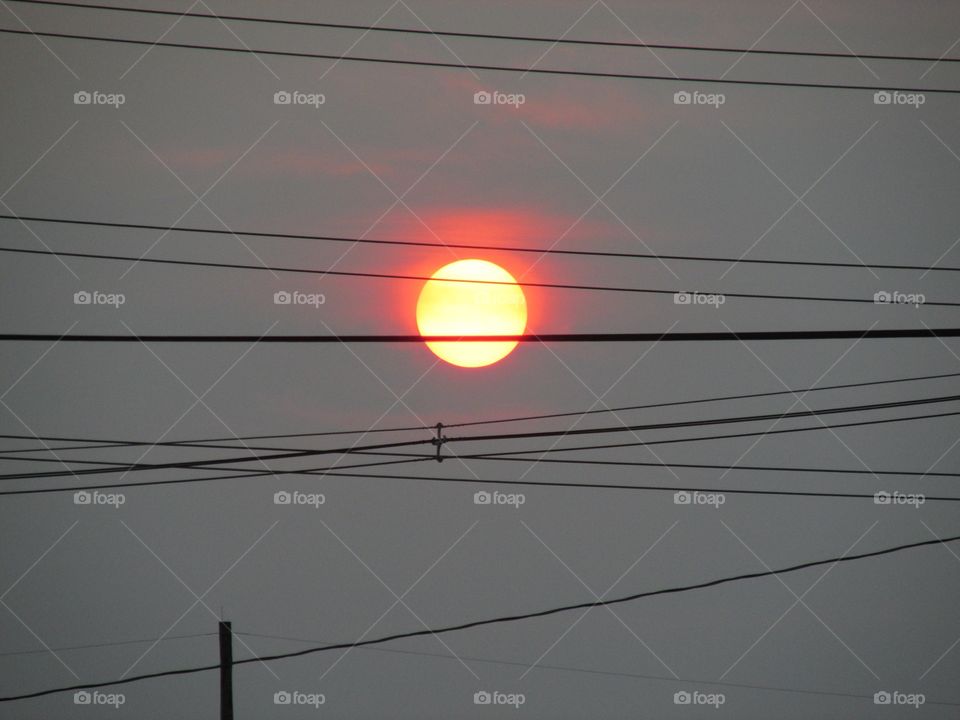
(499, 619)
(747, 335)
(491, 248)
(477, 66)
(423, 278)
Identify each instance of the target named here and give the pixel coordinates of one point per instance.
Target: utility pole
(226, 671)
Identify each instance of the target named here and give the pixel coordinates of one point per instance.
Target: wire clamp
(439, 440)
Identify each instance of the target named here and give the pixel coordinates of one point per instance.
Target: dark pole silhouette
(226, 671)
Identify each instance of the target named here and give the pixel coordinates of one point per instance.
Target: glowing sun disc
(471, 308)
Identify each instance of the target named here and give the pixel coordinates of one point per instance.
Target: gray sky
(399, 152)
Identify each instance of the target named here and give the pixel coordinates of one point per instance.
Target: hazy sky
(401, 152)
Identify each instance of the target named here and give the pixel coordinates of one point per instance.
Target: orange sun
(447, 307)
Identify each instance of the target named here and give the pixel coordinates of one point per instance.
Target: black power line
(336, 471)
(632, 463)
(501, 619)
(477, 66)
(625, 486)
(323, 471)
(591, 671)
(703, 438)
(114, 643)
(423, 278)
(206, 442)
(871, 334)
(604, 430)
(185, 465)
(492, 36)
(407, 459)
(472, 246)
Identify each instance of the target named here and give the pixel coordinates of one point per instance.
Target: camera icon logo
(882, 297)
(282, 297)
(681, 298)
(482, 698)
(681, 498)
(881, 698)
(681, 697)
(881, 498)
(82, 298)
(482, 97)
(882, 97)
(482, 497)
(82, 697)
(82, 97)
(282, 698)
(282, 97)
(282, 498)
(82, 498)
(682, 97)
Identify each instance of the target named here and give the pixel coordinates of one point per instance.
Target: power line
(502, 619)
(716, 398)
(115, 643)
(322, 471)
(604, 430)
(206, 442)
(477, 66)
(623, 486)
(589, 671)
(188, 465)
(424, 278)
(759, 433)
(632, 463)
(493, 36)
(472, 246)
(870, 334)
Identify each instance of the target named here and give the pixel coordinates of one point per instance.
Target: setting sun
(448, 307)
